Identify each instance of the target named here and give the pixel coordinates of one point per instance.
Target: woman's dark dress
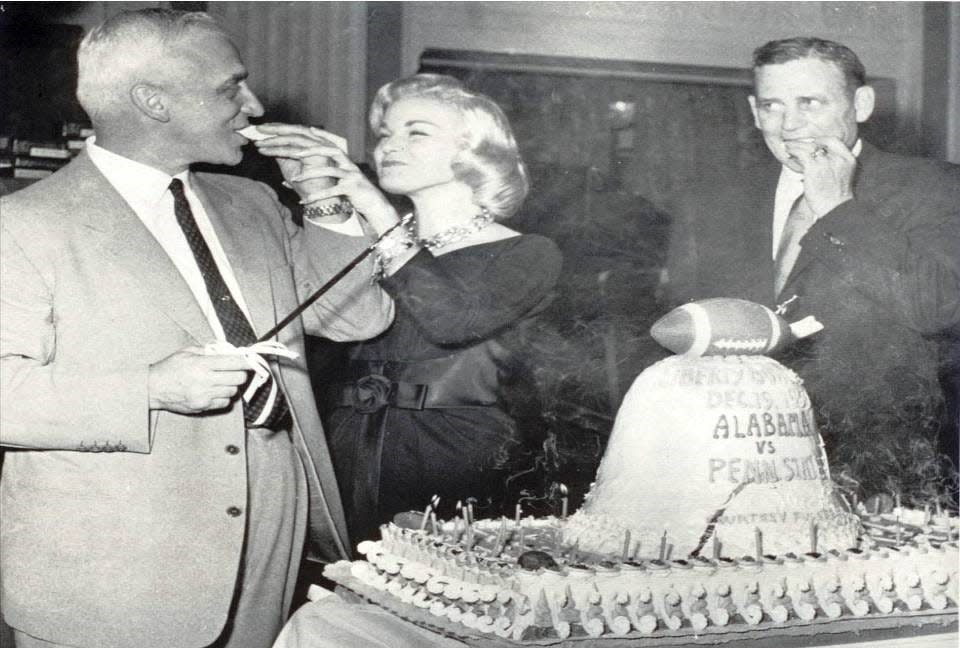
(423, 413)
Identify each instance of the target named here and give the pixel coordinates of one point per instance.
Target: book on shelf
(25, 162)
(50, 152)
(26, 172)
(22, 146)
(37, 157)
(72, 129)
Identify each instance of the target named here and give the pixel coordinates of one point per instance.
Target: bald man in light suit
(144, 501)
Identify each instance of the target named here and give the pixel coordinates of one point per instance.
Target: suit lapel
(127, 242)
(805, 258)
(241, 235)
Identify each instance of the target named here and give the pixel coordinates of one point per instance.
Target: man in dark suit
(149, 497)
(866, 241)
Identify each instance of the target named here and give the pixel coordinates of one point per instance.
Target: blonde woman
(422, 409)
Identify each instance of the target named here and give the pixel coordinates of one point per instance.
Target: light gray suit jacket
(131, 543)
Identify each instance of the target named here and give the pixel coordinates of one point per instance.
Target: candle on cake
(501, 533)
(626, 545)
(563, 502)
(426, 512)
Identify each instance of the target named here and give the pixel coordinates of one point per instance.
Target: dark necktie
(236, 327)
(799, 220)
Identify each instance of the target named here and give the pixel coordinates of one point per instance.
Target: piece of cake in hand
(253, 133)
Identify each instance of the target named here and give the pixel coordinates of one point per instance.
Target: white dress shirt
(147, 191)
(789, 188)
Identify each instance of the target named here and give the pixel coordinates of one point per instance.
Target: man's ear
(864, 100)
(151, 101)
(753, 109)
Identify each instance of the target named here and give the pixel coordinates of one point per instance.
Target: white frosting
(637, 600)
(695, 436)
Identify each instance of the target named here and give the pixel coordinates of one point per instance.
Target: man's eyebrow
(413, 122)
(234, 79)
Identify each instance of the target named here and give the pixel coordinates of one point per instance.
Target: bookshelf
(42, 125)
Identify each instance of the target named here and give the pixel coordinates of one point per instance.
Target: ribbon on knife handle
(253, 354)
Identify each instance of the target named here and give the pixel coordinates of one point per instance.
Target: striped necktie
(236, 327)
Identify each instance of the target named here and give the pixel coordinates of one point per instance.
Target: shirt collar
(141, 185)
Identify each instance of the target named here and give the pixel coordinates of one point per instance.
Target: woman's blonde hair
(489, 163)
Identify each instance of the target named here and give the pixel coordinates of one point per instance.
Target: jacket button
(232, 449)
(234, 511)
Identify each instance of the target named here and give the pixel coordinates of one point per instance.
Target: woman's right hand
(350, 180)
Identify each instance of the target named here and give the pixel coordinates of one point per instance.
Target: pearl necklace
(458, 232)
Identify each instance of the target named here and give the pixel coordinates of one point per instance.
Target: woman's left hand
(318, 169)
(286, 143)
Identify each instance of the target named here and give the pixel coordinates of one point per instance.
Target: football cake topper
(727, 326)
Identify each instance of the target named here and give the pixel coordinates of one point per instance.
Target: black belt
(467, 378)
(372, 392)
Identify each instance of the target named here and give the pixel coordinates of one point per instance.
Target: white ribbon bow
(252, 354)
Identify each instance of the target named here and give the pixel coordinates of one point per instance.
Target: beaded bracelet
(393, 245)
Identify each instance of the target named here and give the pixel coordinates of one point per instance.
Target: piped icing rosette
(569, 598)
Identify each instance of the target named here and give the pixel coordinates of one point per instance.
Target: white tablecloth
(333, 622)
